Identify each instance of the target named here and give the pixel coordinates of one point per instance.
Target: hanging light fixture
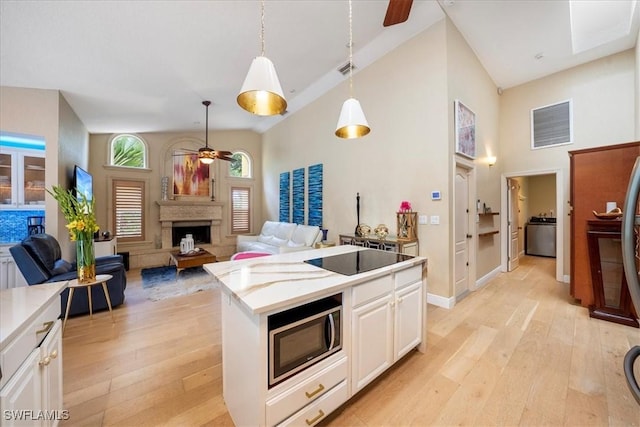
(261, 92)
(206, 154)
(352, 122)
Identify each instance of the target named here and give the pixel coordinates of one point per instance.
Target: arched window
(128, 151)
(240, 167)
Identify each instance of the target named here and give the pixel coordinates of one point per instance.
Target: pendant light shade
(352, 122)
(206, 154)
(261, 92)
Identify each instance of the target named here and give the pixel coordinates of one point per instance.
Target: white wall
(407, 97)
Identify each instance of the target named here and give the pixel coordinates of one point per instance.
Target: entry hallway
(519, 351)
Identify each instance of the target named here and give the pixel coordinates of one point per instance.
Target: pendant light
(352, 122)
(261, 92)
(206, 154)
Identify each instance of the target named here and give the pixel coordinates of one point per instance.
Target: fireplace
(201, 232)
(203, 219)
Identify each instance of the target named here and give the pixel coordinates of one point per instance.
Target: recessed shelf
(489, 213)
(488, 233)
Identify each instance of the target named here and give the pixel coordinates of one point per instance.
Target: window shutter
(128, 209)
(551, 125)
(240, 209)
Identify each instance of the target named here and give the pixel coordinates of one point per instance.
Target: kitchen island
(382, 317)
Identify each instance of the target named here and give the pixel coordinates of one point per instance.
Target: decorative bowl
(614, 214)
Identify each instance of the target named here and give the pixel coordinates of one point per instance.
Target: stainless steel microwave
(302, 336)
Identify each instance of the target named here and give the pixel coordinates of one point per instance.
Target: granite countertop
(19, 306)
(273, 282)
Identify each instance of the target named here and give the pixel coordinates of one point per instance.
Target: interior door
(513, 224)
(462, 236)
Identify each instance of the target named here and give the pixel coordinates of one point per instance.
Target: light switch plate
(423, 219)
(435, 219)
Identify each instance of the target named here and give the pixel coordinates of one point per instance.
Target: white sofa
(278, 237)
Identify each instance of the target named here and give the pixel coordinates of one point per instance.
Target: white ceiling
(146, 66)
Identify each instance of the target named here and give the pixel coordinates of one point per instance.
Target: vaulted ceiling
(145, 66)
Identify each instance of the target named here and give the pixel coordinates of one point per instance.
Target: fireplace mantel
(176, 211)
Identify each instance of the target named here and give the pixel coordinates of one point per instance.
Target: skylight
(594, 23)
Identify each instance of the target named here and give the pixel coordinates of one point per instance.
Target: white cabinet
(34, 392)
(387, 323)
(31, 356)
(22, 179)
(10, 275)
(372, 349)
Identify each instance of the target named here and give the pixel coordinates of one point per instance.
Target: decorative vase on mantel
(85, 257)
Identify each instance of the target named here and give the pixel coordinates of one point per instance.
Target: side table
(101, 279)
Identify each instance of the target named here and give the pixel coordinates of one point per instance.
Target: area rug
(163, 282)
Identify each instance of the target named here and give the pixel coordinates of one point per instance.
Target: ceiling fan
(206, 154)
(397, 12)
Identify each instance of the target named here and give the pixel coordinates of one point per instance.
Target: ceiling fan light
(206, 155)
(352, 122)
(261, 92)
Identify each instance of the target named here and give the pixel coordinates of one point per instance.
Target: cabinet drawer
(408, 276)
(318, 410)
(290, 401)
(17, 351)
(371, 290)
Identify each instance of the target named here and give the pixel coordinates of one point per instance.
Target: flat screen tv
(82, 183)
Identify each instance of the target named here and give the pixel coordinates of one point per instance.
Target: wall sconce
(491, 160)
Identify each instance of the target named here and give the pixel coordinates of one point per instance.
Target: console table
(389, 243)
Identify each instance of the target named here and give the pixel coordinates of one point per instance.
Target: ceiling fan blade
(397, 12)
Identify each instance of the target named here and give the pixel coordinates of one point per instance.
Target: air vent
(552, 125)
(344, 70)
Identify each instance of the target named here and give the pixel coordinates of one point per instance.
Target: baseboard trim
(440, 301)
(488, 277)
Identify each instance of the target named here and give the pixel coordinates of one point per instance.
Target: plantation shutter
(128, 210)
(551, 125)
(240, 209)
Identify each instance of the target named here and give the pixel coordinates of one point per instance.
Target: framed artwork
(465, 123)
(190, 176)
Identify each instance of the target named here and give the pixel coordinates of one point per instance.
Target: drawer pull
(316, 418)
(314, 392)
(45, 361)
(47, 328)
(54, 354)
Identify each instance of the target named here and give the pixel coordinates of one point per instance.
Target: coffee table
(197, 259)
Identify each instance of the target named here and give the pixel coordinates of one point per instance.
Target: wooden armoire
(597, 176)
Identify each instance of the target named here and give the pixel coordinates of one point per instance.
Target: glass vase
(85, 258)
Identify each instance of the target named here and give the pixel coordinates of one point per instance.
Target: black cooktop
(358, 262)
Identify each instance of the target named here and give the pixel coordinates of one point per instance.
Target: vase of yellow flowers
(81, 223)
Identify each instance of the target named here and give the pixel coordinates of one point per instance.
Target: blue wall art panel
(315, 195)
(285, 197)
(298, 196)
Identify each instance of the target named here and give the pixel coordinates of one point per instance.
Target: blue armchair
(39, 259)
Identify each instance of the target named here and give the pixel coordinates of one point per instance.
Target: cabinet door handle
(314, 392)
(316, 418)
(54, 354)
(45, 361)
(47, 328)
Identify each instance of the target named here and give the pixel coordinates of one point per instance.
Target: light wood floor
(517, 352)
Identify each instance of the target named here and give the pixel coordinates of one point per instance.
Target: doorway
(533, 198)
